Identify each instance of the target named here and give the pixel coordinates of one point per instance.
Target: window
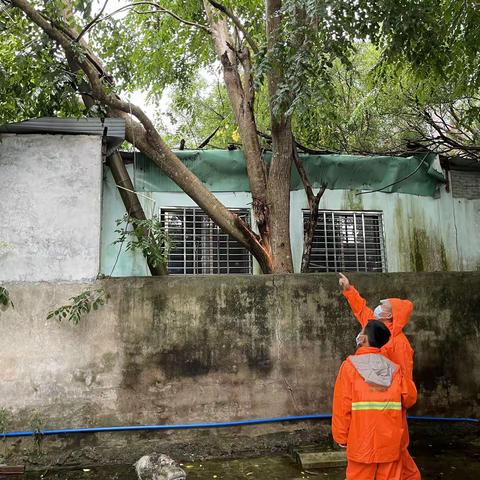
(200, 246)
(348, 242)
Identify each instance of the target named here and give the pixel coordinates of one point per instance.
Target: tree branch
(92, 22)
(229, 13)
(158, 9)
(205, 142)
(313, 204)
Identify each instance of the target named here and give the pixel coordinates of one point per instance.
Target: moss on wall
(427, 252)
(352, 201)
(419, 250)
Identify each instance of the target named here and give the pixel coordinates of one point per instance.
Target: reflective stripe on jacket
(366, 416)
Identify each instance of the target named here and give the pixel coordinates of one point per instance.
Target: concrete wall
(50, 193)
(200, 349)
(421, 233)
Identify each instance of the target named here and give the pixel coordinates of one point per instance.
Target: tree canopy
(342, 75)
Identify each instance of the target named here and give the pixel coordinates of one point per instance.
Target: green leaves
(5, 300)
(5, 419)
(149, 50)
(80, 305)
(147, 236)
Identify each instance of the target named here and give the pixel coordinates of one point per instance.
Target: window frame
(335, 214)
(192, 264)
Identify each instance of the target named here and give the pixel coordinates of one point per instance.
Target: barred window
(347, 242)
(200, 246)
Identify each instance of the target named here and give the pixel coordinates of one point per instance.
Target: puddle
(434, 463)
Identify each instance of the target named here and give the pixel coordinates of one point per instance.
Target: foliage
(5, 418)
(34, 79)
(436, 42)
(366, 111)
(359, 114)
(37, 425)
(149, 50)
(80, 305)
(147, 236)
(5, 300)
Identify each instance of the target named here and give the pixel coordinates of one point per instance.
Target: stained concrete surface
(203, 349)
(434, 462)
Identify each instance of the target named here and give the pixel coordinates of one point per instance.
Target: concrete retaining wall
(199, 349)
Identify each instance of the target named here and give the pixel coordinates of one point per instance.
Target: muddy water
(435, 463)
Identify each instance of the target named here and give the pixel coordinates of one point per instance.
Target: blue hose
(187, 426)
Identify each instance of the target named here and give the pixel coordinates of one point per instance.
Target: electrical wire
(398, 181)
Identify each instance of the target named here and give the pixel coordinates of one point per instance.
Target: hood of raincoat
(374, 368)
(401, 311)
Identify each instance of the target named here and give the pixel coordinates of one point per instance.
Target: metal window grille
(348, 242)
(200, 246)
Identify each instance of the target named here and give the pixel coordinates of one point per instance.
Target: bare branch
(313, 204)
(157, 9)
(92, 22)
(207, 140)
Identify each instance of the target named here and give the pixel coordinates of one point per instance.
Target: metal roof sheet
(115, 127)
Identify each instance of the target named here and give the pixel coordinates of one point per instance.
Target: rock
(158, 467)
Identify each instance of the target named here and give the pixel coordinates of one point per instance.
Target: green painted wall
(421, 233)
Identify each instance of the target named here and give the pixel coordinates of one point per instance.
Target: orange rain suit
(398, 350)
(369, 420)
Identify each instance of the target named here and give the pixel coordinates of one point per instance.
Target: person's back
(370, 396)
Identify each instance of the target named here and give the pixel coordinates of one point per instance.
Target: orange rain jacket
(398, 348)
(370, 396)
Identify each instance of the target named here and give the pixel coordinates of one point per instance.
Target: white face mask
(382, 313)
(358, 339)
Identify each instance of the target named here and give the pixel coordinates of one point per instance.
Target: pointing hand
(343, 281)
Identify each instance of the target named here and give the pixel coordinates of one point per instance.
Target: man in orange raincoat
(370, 395)
(395, 313)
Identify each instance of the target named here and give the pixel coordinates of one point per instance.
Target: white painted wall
(50, 194)
(440, 233)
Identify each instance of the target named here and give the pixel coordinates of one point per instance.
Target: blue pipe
(187, 426)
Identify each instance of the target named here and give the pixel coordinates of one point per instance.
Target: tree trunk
(313, 204)
(278, 187)
(130, 201)
(279, 195)
(241, 96)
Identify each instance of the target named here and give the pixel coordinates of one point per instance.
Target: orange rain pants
(374, 471)
(398, 350)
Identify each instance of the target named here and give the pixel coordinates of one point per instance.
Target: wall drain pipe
(239, 423)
